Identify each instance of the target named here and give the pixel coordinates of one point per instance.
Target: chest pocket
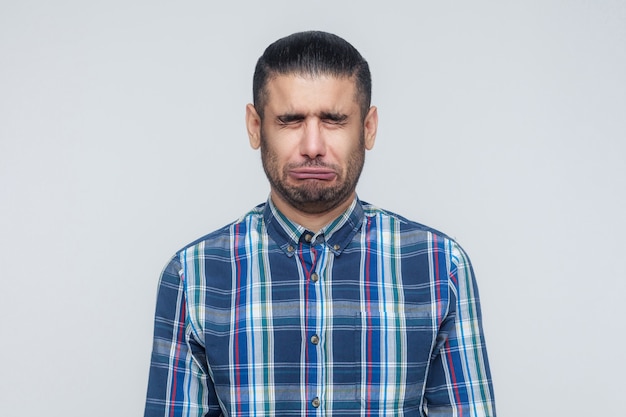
(392, 352)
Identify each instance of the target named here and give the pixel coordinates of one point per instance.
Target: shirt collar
(336, 235)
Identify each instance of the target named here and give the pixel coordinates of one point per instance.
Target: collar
(336, 235)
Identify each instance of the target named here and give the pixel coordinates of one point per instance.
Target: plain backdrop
(502, 123)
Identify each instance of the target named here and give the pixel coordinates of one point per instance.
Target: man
(316, 303)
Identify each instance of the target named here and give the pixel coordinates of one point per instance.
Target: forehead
(301, 92)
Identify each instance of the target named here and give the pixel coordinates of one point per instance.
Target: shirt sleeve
(459, 380)
(179, 384)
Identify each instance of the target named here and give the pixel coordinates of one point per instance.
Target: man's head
(313, 54)
(313, 122)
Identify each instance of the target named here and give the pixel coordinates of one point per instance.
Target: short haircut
(312, 53)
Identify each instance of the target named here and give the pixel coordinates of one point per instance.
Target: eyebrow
(333, 117)
(296, 117)
(290, 117)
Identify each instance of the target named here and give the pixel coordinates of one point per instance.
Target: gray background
(122, 138)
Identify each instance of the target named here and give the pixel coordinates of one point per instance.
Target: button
(290, 248)
(315, 339)
(316, 402)
(308, 237)
(336, 247)
(314, 277)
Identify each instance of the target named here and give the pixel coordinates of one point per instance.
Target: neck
(311, 221)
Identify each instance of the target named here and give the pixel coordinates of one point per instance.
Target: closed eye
(334, 118)
(289, 119)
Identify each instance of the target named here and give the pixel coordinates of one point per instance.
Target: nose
(312, 143)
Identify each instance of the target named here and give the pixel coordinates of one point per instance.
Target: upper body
(316, 303)
(372, 314)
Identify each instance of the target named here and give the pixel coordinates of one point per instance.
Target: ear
(253, 125)
(370, 126)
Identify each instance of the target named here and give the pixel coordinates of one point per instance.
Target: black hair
(312, 53)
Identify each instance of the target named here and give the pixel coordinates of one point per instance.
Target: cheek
(348, 152)
(273, 158)
(281, 146)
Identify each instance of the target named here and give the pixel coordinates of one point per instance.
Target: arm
(179, 383)
(459, 380)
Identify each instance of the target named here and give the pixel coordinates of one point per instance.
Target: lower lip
(322, 176)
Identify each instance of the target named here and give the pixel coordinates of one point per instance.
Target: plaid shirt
(373, 315)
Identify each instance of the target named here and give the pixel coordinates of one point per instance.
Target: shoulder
(406, 226)
(415, 238)
(221, 238)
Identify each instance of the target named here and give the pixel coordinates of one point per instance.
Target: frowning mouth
(323, 174)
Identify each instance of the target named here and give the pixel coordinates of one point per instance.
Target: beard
(313, 196)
